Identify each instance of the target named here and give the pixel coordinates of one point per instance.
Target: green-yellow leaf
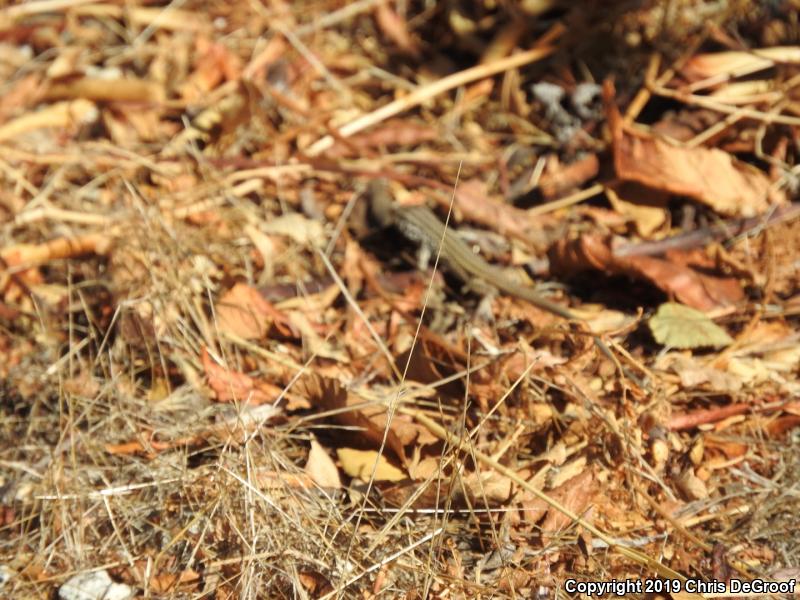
(679, 326)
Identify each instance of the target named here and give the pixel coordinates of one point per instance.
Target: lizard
(420, 225)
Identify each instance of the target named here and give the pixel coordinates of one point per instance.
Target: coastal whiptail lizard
(420, 225)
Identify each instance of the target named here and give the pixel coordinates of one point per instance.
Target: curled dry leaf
(737, 64)
(695, 373)
(692, 487)
(369, 421)
(244, 312)
(736, 188)
(233, 386)
(575, 494)
(475, 203)
(689, 286)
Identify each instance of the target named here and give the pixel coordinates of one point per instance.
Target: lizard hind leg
(487, 293)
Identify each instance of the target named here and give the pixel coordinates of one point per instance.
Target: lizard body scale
(419, 224)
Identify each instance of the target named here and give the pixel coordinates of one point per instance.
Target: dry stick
(486, 460)
(651, 81)
(701, 237)
(422, 94)
(43, 6)
(643, 95)
(715, 129)
(706, 102)
(566, 201)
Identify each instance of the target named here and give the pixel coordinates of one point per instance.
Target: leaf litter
(219, 379)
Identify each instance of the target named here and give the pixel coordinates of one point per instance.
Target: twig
(427, 92)
(701, 237)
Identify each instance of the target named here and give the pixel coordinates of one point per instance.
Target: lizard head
(381, 205)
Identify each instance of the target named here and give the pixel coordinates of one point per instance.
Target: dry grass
(130, 439)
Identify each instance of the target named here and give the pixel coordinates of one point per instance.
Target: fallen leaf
(395, 28)
(301, 229)
(646, 208)
(476, 204)
(693, 373)
(244, 312)
(735, 189)
(214, 63)
(321, 468)
(682, 327)
(558, 179)
(313, 342)
(361, 464)
(737, 64)
(575, 494)
(691, 485)
(233, 386)
(674, 275)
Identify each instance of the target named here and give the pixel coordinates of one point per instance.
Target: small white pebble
(94, 585)
(5, 575)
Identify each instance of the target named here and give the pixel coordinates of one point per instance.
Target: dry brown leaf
(646, 208)
(244, 312)
(576, 494)
(213, 65)
(395, 28)
(737, 64)
(314, 342)
(368, 421)
(487, 486)
(233, 386)
(164, 582)
(321, 468)
(708, 175)
(366, 464)
(475, 204)
(558, 180)
(691, 287)
(692, 487)
(695, 373)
